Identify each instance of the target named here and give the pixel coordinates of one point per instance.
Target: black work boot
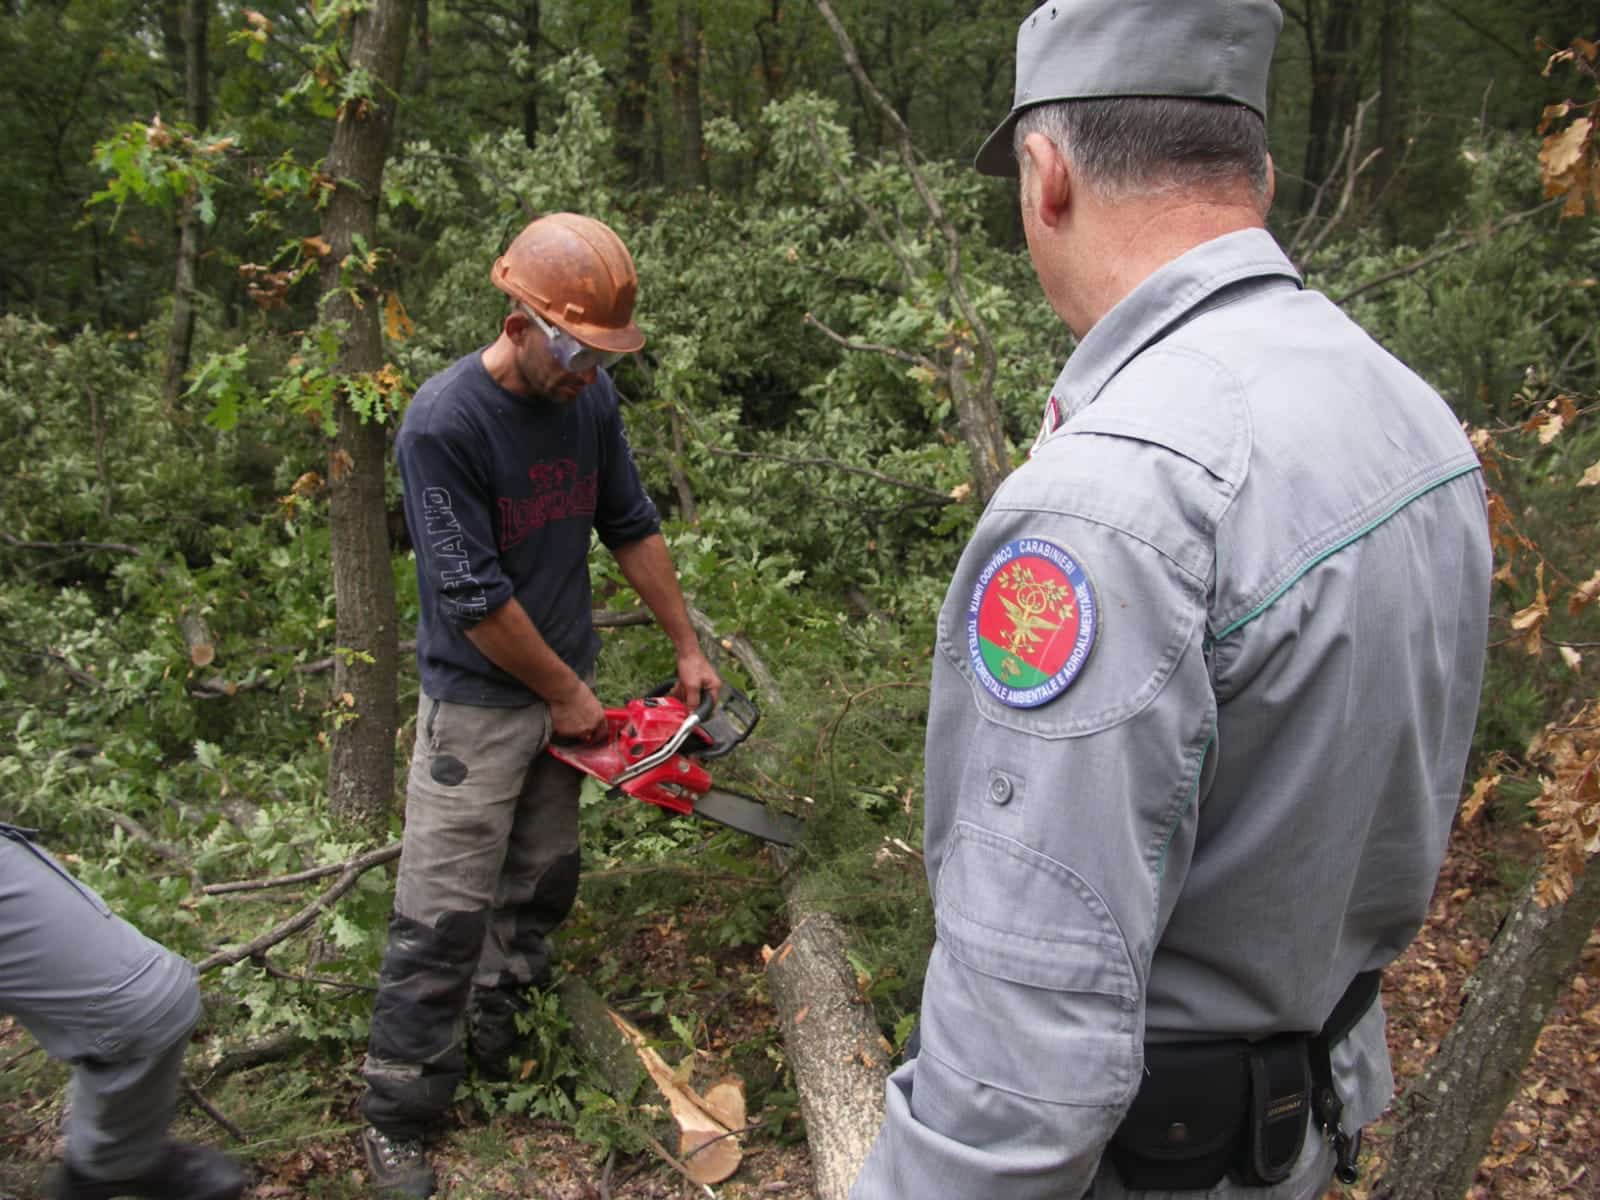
(184, 1172)
(398, 1165)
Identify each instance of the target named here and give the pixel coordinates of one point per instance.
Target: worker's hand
(695, 675)
(577, 716)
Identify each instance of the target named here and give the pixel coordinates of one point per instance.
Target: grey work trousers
(488, 870)
(97, 993)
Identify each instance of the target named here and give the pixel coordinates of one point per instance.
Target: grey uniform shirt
(1240, 796)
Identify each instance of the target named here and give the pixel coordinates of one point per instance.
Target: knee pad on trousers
(423, 988)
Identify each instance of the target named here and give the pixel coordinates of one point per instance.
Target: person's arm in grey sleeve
(1056, 837)
(448, 509)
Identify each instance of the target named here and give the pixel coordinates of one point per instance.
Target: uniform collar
(1163, 300)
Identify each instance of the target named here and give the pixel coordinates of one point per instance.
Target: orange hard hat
(575, 273)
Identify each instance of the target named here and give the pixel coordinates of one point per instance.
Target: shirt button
(1000, 789)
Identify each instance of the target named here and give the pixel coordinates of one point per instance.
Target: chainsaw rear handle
(650, 762)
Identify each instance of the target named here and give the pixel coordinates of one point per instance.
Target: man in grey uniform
(97, 993)
(1206, 675)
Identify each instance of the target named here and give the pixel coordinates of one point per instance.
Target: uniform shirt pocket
(1035, 990)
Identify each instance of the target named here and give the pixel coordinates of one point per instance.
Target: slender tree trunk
(422, 72)
(1334, 44)
(197, 110)
(1448, 1116)
(1393, 51)
(530, 99)
(634, 98)
(361, 767)
(685, 66)
(977, 411)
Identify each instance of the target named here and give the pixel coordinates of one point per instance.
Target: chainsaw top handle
(668, 748)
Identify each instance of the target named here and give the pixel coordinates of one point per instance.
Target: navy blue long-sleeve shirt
(501, 493)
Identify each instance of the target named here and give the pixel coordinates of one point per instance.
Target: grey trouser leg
(488, 869)
(97, 993)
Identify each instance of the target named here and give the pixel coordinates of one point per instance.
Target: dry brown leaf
(1481, 792)
(1563, 151)
(1591, 477)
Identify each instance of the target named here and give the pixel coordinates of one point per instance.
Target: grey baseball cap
(1086, 49)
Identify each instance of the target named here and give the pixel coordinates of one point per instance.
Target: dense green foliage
(816, 496)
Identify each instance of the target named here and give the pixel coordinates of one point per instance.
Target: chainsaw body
(655, 751)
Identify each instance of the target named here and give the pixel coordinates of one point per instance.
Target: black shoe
(185, 1172)
(398, 1165)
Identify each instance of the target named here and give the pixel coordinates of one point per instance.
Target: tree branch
(353, 870)
(916, 360)
(392, 850)
(932, 494)
(108, 547)
(1427, 260)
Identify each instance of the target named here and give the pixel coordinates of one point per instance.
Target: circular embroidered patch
(1031, 622)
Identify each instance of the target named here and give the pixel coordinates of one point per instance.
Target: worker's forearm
(508, 638)
(647, 566)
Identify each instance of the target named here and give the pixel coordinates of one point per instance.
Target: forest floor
(1546, 1145)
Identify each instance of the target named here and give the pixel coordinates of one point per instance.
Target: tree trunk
(1334, 45)
(1448, 1116)
(839, 1059)
(634, 97)
(361, 766)
(422, 73)
(685, 69)
(979, 419)
(197, 110)
(530, 99)
(1393, 49)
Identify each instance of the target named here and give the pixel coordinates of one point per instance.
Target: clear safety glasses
(572, 354)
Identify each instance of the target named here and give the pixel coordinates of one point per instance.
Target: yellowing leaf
(396, 320)
(1591, 477)
(1572, 658)
(1552, 426)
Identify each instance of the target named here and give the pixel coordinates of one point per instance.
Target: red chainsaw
(655, 749)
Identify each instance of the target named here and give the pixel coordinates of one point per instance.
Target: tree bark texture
(422, 72)
(1334, 43)
(1448, 1116)
(361, 767)
(685, 70)
(530, 99)
(193, 27)
(1393, 50)
(633, 99)
(838, 1057)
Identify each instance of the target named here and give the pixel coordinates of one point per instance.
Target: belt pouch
(1184, 1129)
(1280, 1093)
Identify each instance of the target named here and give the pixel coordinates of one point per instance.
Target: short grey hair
(1128, 146)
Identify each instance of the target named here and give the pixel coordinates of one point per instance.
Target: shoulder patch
(1031, 622)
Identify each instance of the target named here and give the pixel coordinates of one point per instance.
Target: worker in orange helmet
(510, 458)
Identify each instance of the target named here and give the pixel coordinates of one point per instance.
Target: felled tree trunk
(704, 1130)
(839, 1059)
(1448, 1116)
